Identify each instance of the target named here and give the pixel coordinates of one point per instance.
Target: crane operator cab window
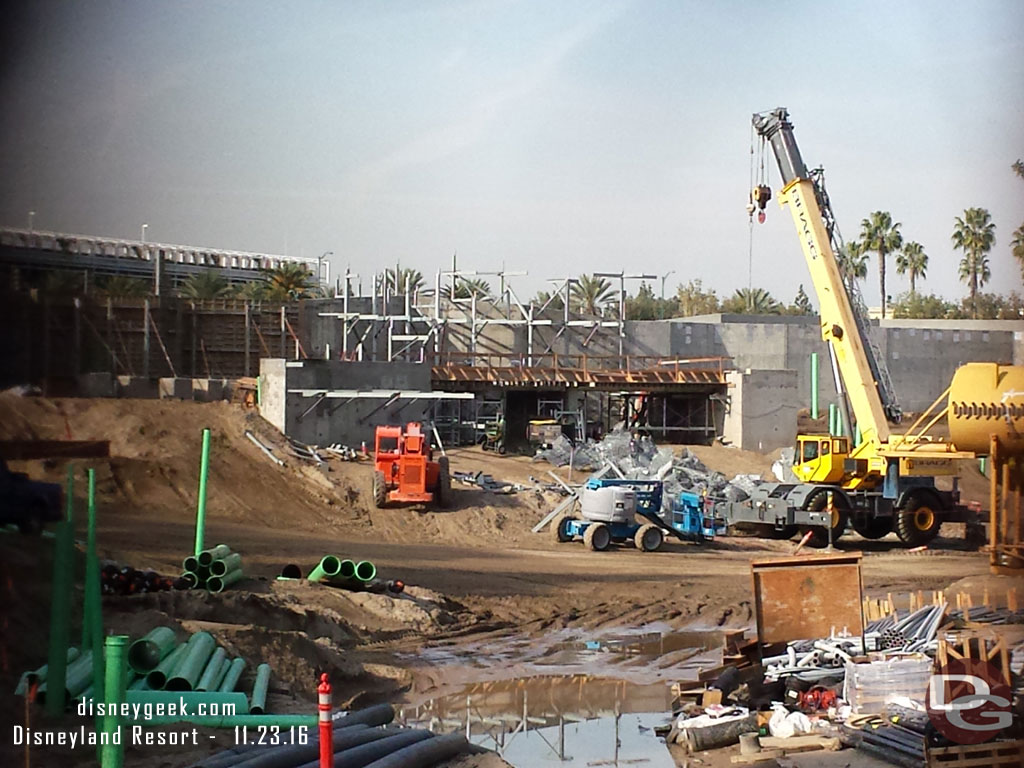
(812, 449)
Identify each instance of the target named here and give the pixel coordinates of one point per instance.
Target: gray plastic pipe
(424, 753)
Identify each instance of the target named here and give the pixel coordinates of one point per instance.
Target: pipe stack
(356, 576)
(125, 580)
(212, 569)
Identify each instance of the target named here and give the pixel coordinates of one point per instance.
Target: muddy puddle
(590, 696)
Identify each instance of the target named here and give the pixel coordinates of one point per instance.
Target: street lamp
(320, 268)
(31, 215)
(663, 279)
(143, 231)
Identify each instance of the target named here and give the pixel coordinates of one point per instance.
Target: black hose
(378, 714)
(357, 757)
(236, 754)
(296, 754)
(425, 753)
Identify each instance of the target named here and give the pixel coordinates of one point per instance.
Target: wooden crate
(994, 754)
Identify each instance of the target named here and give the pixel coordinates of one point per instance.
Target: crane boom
(869, 396)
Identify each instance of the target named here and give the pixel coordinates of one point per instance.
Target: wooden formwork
(997, 754)
(1006, 525)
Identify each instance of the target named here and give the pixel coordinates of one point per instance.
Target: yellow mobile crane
(886, 481)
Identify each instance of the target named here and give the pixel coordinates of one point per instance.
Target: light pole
(663, 279)
(143, 232)
(31, 216)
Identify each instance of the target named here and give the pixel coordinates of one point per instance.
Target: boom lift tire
(443, 495)
(380, 489)
(648, 538)
(597, 537)
(873, 528)
(560, 530)
(840, 516)
(917, 524)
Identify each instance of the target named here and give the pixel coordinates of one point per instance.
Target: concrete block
(209, 390)
(136, 387)
(175, 388)
(96, 385)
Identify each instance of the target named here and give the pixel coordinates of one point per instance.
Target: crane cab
(820, 458)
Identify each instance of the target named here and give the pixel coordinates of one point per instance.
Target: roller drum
(987, 399)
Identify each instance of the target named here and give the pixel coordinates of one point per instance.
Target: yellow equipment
(885, 482)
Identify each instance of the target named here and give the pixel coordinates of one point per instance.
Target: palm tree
(752, 301)
(589, 294)
(465, 289)
(853, 264)
(288, 281)
(542, 298)
(913, 262)
(409, 280)
(208, 284)
(1017, 244)
(974, 234)
(119, 286)
(255, 290)
(880, 234)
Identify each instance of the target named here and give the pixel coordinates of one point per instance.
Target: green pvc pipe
(231, 676)
(211, 670)
(192, 700)
(291, 571)
(857, 437)
(69, 505)
(191, 578)
(329, 566)
(226, 564)
(840, 427)
(832, 418)
(111, 754)
(365, 571)
(92, 623)
(216, 584)
(77, 677)
(38, 676)
(207, 556)
(258, 705)
(60, 609)
(147, 652)
(204, 470)
(158, 678)
(347, 570)
(814, 385)
(199, 649)
(190, 563)
(236, 721)
(140, 684)
(218, 678)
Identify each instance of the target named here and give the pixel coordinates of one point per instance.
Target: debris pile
(116, 579)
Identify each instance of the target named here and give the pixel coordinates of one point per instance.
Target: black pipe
(378, 714)
(237, 754)
(425, 753)
(358, 757)
(296, 754)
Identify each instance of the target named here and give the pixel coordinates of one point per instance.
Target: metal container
(987, 399)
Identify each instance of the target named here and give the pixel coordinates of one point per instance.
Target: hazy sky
(556, 137)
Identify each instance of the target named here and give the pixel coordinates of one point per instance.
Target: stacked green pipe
(341, 572)
(213, 569)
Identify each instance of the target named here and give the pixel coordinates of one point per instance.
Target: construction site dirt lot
(487, 600)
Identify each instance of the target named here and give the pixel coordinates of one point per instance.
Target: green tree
(64, 282)
(590, 294)
(912, 262)
(409, 280)
(1017, 244)
(974, 234)
(288, 282)
(255, 290)
(992, 306)
(853, 264)
(208, 284)
(881, 235)
(692, 299)
(644, 306)
(465, 289)
(752, 301)
(801, 304)
(121, 287)
(918, 306)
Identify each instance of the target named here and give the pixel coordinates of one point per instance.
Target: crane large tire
(873, 528)
(648, 538)
(917, 523)
(380, 489)
(597, 537)
(784, 533)
(819, 534)
(443, 494)
(560, 530)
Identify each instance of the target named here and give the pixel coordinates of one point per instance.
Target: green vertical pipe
(831, 418)
(230, 680)
(211, 671)
(111, 754)
(60, 608)
(204, 469)
(207, 556)
(981, 464)
(857, 437)
(70, 500)
(814, 385)
(92, 623)
(38, 676)
(840, 426)
(258, 702)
